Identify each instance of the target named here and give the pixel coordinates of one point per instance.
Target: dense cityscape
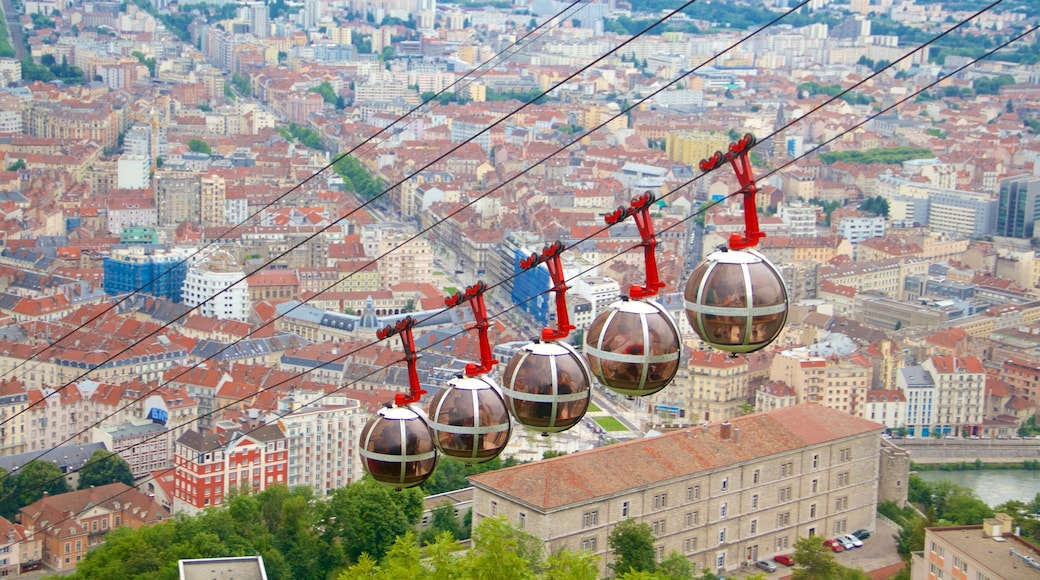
(208, 211)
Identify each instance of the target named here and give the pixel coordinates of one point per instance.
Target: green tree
(815, 561)
(241, 84)
(675, 566)
(328, 94)
(633, 545)
(910, 538)
(199, 146)
(19, 164)
(502, 552)
(567, 565)
(366, 517)
(103, 468)
(37, 477)
(443, 520)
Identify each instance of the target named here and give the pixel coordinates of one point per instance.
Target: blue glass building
(159, 273)
(529, 289)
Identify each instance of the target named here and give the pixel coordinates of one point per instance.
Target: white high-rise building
(799, 218)
(322, 436)
(133, 171)
(215, 274)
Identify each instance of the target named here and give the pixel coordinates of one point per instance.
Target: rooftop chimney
(726, 430)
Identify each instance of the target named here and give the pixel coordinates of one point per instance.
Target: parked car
(845, 543)
(856, 542)
(834, 545)
(766, 565)
(861, 534)
(784, 559)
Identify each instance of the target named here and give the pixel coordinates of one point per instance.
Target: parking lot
(878, 551)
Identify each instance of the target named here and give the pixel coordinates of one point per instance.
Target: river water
(993, 486)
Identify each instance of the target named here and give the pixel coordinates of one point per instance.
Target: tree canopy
(103, 468)
(887, 155)
(633, 546)
(199, 146)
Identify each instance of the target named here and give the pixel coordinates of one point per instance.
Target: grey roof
(297, 310)
(211, 442)
(68, 458)
(916, 377)
(130, 430)
(246, 348)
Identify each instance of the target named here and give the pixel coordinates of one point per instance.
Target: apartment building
(839, 383)
(987, 552)
(724, 495)
(713, 387)
(94, 512)
(208, 467)
(321, 440)
(944, 394)
(884, 276)
(1023, 375)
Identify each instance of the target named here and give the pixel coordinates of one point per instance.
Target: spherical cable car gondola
(469, 418)
(736, 300)
(396, 445)
(548, 384)
(633, 347)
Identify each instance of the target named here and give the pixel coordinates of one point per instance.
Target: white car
(849, 539)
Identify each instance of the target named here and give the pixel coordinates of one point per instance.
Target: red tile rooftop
(576, 478)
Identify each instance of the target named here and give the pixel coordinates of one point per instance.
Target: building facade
(94, 511)
(724, 495)
(988, 552)
(136, 269)
(1018, 206)
(208, 467)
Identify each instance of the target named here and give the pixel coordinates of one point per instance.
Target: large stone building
(723, 495)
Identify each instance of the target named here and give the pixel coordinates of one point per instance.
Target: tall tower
(1018, 207)
(212, 201)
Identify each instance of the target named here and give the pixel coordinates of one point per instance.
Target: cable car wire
(520, 45)
(337, 221)
(674, 190)
(565, 146)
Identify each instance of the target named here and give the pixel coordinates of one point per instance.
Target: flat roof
(1004, 555)
(240, 568)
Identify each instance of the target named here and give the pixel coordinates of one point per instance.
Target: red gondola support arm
(737, 156)
(404, 329)
(475, 296)
(550, 256)
(639, 209)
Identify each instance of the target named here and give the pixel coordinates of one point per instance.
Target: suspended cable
(337, 221)
(548, 157)
(685, 184)
(519, 45)
(485, 194)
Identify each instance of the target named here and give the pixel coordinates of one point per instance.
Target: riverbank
(976, 465)
(992, 486)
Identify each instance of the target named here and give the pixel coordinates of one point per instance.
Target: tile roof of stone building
(585, 476)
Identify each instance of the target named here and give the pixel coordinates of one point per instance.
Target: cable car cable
(686, 184)
(838, 136)
(518, 44)
(336, 222)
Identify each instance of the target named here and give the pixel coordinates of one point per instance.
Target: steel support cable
(337, 221)
(674, 190)
(520, 45)
(687, 183)
(471, 202)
